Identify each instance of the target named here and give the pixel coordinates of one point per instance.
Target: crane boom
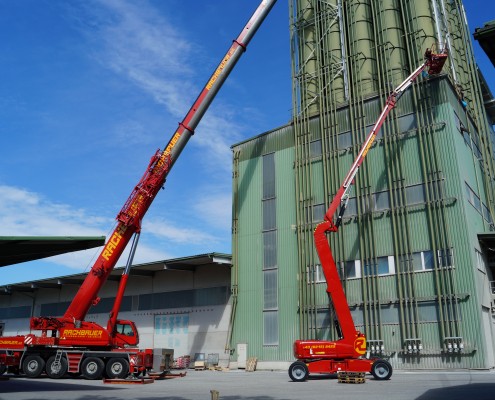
(334, 288)
(130, 217)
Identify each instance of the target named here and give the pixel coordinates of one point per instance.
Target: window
(270, 271)
(344, 140)
(407, 123)
(270, 328)
(319, 211)
(269, 218)
(389, 313)
(352, 269)
(473, 198)
(269, 249)
(124, 329)
(486, 214)
(315, 148)
(351, 208)
(428, 311)
(445, 258)
(382, 201)
(315, 274)
(268, 176)
(270, 284)
(428, 260)
(415, 194)
(480, 261)
(358, 316)
(383, 266)
(16, 312)
(425, 261)
(458, 123)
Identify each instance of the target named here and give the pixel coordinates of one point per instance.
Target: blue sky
(91, 89)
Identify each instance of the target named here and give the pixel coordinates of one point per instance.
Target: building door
(489, 334)
(241, 355)
(172, 332)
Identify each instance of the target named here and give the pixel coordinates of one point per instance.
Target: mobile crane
(71, 344)
(347, 353)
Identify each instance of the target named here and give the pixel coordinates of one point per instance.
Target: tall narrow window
(270, 264)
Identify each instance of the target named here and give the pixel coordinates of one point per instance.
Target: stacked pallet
(350, 377)
(251, 364)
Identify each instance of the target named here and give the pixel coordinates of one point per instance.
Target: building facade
(179, 304)
(414, 249)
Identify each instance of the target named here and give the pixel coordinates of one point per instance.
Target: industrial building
(180, 304)
(415, 250)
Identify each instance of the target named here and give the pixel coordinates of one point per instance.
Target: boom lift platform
(347, 353)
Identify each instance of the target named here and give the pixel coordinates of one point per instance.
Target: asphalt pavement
(261, 385)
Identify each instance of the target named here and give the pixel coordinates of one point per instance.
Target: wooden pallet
(251, 364)
(199, 366)
(351, 377)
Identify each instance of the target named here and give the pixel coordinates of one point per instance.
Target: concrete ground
(262, 385)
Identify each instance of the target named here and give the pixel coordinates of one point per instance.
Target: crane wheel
(298, 371)
(117, 368)
(54, 369)
(381, 370)
(33, 366)
(92, 368)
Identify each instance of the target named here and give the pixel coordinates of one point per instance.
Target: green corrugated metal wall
(347, 56)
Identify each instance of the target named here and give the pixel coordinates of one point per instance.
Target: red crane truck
(69, 344)
(347, 353)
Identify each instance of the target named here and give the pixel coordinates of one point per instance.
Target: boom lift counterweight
(347, 353)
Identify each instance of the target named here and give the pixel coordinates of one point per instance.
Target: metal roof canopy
(487, 240)
(486, 38)
(190, 263)
(18, 249)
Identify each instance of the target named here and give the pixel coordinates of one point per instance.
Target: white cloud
(216, 210)
(138, 43)
(164, 229)
(26, 213)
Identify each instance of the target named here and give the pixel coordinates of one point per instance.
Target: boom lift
(71, 344)
(346, 354)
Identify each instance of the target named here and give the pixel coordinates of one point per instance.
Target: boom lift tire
(298, 371)
(92, 368)
(56, 370)
(3, 369)
(33, 366)
(117, 368)
(381, 370)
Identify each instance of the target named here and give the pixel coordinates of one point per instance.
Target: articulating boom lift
(71, 344)
(346, 354)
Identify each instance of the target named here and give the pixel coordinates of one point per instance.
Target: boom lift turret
(347, 353)
(71, 344)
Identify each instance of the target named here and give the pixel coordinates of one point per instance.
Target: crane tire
(33, 366)
(117, 368)
(298, 371)
(92, 368)
(56, 371)
(381, 370)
